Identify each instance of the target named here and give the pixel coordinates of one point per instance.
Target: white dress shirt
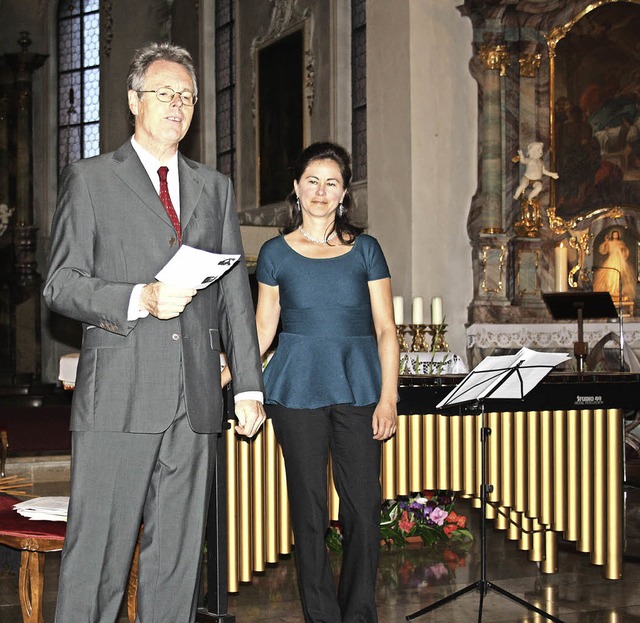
(151, 165)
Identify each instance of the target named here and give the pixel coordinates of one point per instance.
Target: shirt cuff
(134, 312)
(258, 396)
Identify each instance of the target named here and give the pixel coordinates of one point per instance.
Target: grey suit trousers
(160, 479)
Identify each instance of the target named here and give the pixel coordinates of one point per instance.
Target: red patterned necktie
(166, 202)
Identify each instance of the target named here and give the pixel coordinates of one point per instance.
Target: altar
(485, 339)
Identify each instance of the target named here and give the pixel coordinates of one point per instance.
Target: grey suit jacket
(110, 232)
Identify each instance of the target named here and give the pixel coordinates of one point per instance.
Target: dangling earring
(340, 209)
(298, 204)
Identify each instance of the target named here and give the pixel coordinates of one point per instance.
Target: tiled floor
(412, 578)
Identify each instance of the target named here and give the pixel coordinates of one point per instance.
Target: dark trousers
(306, 436)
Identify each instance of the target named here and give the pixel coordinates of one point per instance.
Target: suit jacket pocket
(99, 338)
(214, 339)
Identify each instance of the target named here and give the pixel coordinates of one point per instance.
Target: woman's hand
(225, 376)
(385, 421)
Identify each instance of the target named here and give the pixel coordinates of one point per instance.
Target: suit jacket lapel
(191, 184)
(130, 170)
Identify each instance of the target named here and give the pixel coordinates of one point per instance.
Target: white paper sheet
(195, 268)
(506, 377)
(51, 508)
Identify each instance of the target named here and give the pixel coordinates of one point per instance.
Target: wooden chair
(34, 539)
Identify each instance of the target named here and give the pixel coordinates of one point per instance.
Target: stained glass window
(359, 89)
(225, 88)
(78, 80)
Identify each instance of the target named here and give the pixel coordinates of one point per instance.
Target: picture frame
(595, 109)
(280, 115)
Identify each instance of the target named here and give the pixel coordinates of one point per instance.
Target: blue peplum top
(327, 351)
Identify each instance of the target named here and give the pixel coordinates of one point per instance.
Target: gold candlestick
(419, 343)
(438, 343)
(401, 329)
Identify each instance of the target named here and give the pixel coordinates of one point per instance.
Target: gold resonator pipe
(555, 474)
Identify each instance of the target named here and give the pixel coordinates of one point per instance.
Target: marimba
(555, 460)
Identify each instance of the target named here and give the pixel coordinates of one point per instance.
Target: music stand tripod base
(483, 585)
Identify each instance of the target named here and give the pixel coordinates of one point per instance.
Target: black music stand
(509, 377)
(582, 306)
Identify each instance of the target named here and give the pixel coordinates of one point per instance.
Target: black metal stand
(215, 602)
(482, 585)
(581, 306)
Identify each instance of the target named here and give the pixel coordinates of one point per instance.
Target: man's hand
(251, 415)
(164, 301)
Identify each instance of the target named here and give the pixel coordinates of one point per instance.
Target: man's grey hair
(152, 52)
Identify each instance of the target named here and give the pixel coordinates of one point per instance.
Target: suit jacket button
(175, 337)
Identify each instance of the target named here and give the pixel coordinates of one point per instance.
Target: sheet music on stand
(503, 377)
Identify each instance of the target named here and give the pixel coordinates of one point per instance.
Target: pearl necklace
(310, 239)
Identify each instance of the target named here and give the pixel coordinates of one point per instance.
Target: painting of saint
(613, 265)
(597, 111)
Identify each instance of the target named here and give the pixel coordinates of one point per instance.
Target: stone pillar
(24, 63)
(4, 141)
(494, 59)
(26, 284)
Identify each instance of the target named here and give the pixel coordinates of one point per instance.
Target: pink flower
(438, 515)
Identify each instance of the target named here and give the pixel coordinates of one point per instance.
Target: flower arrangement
(429, 515)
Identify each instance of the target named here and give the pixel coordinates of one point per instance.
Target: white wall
(422, 124)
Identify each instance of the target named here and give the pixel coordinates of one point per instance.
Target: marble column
(494, 59)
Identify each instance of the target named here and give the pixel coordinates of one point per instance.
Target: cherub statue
(534, 170)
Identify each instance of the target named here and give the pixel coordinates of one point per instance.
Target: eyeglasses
(166, 95)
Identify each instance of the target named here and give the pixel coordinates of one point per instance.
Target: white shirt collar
(151, 165)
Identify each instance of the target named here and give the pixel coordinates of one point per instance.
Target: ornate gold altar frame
(578, 227)
(592, 86)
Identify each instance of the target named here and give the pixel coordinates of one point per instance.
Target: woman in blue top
(332, 382)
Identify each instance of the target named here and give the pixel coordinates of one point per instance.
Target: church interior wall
(452, 92)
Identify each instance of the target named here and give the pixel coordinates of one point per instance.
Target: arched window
(78, 80)
(225, 88)
(359, 89)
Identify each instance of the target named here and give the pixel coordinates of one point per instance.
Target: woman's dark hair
(346, 230)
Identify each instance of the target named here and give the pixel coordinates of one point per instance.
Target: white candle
(561, 276)
(398, 309)
(417, 310)
(436, 310)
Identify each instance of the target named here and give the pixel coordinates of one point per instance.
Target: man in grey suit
(148, 401)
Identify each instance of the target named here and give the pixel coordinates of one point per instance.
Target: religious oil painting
(615, 262)
(596, 109)
(280, 115)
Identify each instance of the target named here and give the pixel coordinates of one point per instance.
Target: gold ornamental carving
(529, 64)
(530, 224)
(580, 241)
(492, 270)
(495, 57)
